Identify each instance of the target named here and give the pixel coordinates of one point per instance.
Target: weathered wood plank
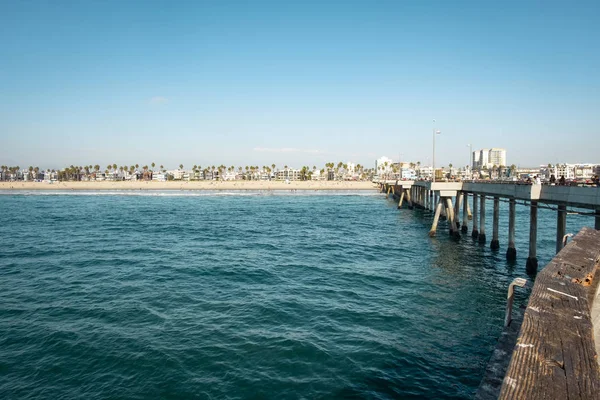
(555, 356)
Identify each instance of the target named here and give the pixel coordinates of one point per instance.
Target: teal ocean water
(246, 295)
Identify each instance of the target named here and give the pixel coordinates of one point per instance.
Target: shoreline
(191, 185)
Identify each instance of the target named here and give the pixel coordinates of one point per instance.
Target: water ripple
(267, 295)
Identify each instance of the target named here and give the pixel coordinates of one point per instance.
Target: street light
(433, 155)
(470, 165)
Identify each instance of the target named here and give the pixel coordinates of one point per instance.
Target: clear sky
(297, 82)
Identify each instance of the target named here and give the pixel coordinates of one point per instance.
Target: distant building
(426, 172)
(497, 157)
(383, 165)
(487, 158)
(476, 156)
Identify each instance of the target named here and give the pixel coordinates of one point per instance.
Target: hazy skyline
(305, 83)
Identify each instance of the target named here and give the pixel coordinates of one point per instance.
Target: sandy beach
(194, 185)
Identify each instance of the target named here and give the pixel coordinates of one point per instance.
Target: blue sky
(297, 83)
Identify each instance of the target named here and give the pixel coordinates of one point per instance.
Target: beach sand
(194, 185)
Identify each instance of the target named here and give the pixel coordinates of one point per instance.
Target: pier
(444, 199)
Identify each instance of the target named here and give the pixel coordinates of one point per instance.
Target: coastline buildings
(570, 171)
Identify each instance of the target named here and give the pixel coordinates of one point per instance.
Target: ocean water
(246, 295)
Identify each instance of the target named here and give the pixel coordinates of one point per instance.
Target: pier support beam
(409, 199)
(475, 232)
(495, 243)
(511, 252)
(469, 208)
(432, 202)
(401, 198)
(532, 261)
(452, 218)
(436, 218)
(465, 224)
(597, 223)
(456, 218)
(561, 226)
(481, 236)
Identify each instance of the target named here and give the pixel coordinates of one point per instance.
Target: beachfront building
(159, 177)
(408, 174)
(383, 166)
(425, 172)
(475, 159)
(497, 157)
(288, 174)
(486, 159)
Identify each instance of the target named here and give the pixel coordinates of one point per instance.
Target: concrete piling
(470, 215)
(436, 218)
(401, 198)
(511, 252)
(495, 243)
(532, 261)
(465, 224)
(457, 200)
(597, 223)
(475, 232)
(481, 236)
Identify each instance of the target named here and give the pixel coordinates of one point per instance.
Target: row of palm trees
(88, 172)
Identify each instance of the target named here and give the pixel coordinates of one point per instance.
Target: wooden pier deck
(554, 356)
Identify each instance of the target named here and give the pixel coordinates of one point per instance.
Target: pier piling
(451, 218)
(481, 236)
(511, 252)
(532, 261)
(495, 243)
(465, 224)
(475, 232)
(409, 199)
(436, 218)
(470, 215)
(597, 223)
(457, 200)
(401, 198)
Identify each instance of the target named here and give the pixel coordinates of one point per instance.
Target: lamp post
(433, 155)
(470, 164)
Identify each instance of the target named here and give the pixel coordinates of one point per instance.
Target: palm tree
(180, 166)
(153, 165)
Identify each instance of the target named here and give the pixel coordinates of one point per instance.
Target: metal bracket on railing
(511, 296)
(567, 236)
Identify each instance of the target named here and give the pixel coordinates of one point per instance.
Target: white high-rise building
(497, 157)
(487, 158)
(475, 161)
(484, 157)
